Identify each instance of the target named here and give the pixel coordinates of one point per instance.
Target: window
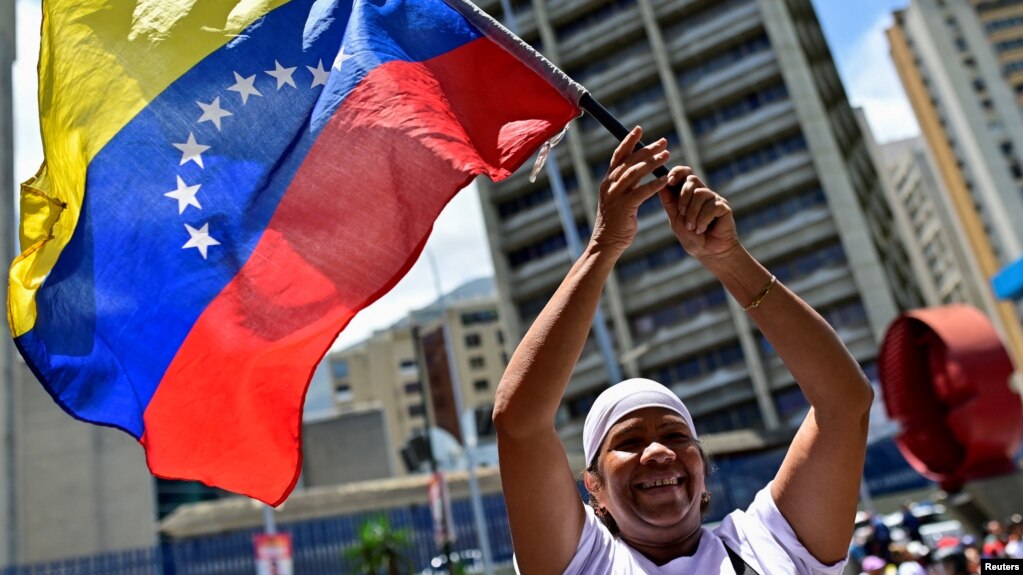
(407, 366)
(343, 392)
(481, 385)
(477, 362)
(482, 316)
(339, 369)
(473, 340)
(413, 387)
(416, 409)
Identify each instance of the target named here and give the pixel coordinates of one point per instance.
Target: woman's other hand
(701, 218)
(621, 191)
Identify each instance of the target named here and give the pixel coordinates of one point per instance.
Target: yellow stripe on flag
(100, 63)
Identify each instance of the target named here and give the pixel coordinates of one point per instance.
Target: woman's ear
(592, 483)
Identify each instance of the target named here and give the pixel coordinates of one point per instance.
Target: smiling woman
(646, 469)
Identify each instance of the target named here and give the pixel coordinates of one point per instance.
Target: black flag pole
(594, 108)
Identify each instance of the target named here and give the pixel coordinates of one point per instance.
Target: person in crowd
(905, 560)
(910, 522)
(994, 544)
(646, 469)
(881, 537)
(1014, 541)
(873, 565)
(948, 561)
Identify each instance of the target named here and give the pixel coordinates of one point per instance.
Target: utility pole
(424, 386)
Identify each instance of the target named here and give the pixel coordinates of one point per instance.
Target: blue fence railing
(319, 544)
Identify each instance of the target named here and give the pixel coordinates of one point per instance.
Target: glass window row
(748, 104)
(645, 325)
(538, 250)
(697, 70)
(778, 211)
(592, 18)
(756, 159)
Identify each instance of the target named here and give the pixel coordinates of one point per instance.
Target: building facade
(8, 509)
(927, 224)
(747, 93)
(962, 66)
(386, 371)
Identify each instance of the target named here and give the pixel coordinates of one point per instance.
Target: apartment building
(384, 370)
(8, 509)
(747, 93)
(961, 63)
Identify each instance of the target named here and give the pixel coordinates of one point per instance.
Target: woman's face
(653, 476)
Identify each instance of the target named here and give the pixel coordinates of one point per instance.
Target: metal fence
(319, 545)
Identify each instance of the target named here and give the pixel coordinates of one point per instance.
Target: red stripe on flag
(354, 220)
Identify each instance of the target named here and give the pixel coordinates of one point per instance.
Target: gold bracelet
(760, 296)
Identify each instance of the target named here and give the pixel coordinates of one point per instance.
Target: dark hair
(605, 517)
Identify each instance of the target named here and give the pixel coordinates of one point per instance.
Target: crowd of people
(878, 549)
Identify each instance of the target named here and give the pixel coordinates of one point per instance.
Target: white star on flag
(200, 239)
(341, 57)
(320, 75)
(185, 195)
(191, 150)
(212, 112)
(283, 75)
(244, 86)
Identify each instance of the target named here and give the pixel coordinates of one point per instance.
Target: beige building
(384, 370)
(67, 488)
(962, 66)
(747, 93)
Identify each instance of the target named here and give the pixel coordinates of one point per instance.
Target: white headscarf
(622, 399)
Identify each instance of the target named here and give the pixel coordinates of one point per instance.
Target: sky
(458, 245)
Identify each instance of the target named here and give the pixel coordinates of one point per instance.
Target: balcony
(537, 222)
(540, 275)
(622, 76)
(775, 173)
(717, 86)
(742, 133)
(702, 331)
(697, 41)
(590, 42)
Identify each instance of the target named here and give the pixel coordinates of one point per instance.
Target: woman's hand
(701, 219)
(621, 192)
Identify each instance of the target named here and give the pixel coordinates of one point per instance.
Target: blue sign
(1008, 284)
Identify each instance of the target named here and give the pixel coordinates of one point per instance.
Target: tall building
(384, 371)
(747, 93)
(8, 511)
(962, 66)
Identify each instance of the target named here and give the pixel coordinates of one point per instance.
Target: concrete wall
(8, 543)
(345, 449)
(82, 489)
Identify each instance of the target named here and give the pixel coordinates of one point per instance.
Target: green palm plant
(380, 549)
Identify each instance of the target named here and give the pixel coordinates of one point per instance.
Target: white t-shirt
(760, 535)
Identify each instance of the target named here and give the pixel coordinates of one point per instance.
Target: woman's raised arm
(544, 508)
(817, 486)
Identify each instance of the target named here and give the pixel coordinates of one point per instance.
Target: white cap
(622, 399)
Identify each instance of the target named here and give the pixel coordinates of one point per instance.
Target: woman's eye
(627, 444)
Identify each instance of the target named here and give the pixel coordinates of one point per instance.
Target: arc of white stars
(320, 75)
(283, 75)
(191, 151)
(212, 112)
(341, 58)
(200, 239)
(245, 87)
(185, 195)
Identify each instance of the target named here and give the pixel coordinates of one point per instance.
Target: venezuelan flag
(227, 184)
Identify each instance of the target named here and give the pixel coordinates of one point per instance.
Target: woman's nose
(657, 453)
